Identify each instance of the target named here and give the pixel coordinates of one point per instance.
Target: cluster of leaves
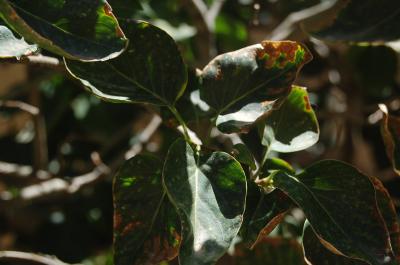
(195, 203)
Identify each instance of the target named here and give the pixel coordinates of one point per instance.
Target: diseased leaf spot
(307, 103)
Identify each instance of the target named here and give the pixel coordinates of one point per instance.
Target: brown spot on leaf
(307, 103)
(117, 221)
(283, 50)
(108, 11)
(129, 227)
(268, 228)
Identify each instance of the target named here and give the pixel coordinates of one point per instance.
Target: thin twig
(45, 60)
(144, 136)
(204, 20)
(29, 257)
(20, 105)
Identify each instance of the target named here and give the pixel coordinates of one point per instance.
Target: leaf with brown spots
(293, 126)
(146, 226)
(241, 86)
(390, 130)
(340, 203)
(57, 26)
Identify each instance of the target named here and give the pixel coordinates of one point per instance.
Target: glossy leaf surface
(84, 30)
(10, 46)
(146, 225)
(255, 74)
(264, 211)
(317, 254)
(293, 126)
(339, 201)
(390, 130)
(209, 192)
(242, 153)
(365, 21)
(268, 211)
(151, 70)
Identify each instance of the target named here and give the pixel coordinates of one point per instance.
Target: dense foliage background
(59, 153)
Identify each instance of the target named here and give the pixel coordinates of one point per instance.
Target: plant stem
(264, 159)
(181, 122)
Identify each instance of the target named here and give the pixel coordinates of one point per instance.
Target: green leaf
(270, 251)
(209, 192)
(293, 126)
(390, 130)
(242, 154)
(241, 120)
(125, 9)
(339, 201)
(151, 70)
(146, 226)
(10, 46)
(388, 212)
(364, 21)
(317, 254)
(264, 215)
(255, 74)
(273, 164)
(83, 30)
(264, 211)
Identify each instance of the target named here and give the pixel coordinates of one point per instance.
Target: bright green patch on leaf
(365, 21)
(317, 254)
(252, 75)
(10, 46)
(293, 126)
(84, 30)
(209, 192)
(151, 70)
(340, 203)
(146, 225)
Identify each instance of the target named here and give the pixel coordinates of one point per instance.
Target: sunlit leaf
(146, 225)
(317, 254)
(255, 74)
(151, 70)
(364, 21)
(10, 46)
(209, 192)
(84, 30)
(339, 201)
(293, 126)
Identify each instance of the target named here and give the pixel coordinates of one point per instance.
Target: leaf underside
(10, 46)
(146, 226)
